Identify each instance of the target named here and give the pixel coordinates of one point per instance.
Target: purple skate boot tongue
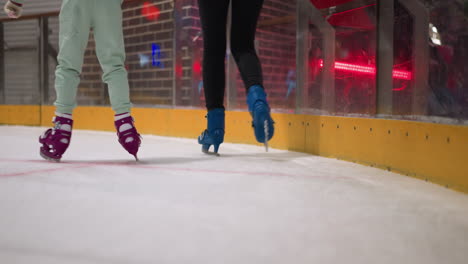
(128, 135)
(56, 140)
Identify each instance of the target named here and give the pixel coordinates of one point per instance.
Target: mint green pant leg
(75, 23)
(110, 50)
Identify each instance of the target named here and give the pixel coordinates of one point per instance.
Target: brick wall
(189, 46)
(276, 45)
(150, 83)
(179, 20)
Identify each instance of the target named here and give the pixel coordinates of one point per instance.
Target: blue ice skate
(262, 123)
(214, 135)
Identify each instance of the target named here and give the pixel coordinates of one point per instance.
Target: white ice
(178, 205)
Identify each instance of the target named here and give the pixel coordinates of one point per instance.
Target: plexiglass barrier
(393, 59)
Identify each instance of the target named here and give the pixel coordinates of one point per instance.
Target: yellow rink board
(432, 152)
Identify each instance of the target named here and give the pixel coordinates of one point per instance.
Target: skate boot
(127, 133)
(262, 123)
(214, 135)
(56, 140)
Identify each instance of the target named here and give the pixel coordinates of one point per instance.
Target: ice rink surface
(178, 205)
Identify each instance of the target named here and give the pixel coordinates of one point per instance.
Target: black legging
(213, 15)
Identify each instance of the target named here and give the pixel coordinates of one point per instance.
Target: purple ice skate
(56, 140)
(128, 135)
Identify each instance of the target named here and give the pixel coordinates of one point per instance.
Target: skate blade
(48, 158)
(207, 152)
(136, 158)
(265, 127)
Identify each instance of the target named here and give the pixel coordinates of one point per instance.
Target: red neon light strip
(370, 70)
(352, 10)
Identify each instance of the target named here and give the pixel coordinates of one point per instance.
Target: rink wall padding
(26, 115)
(433, 152)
